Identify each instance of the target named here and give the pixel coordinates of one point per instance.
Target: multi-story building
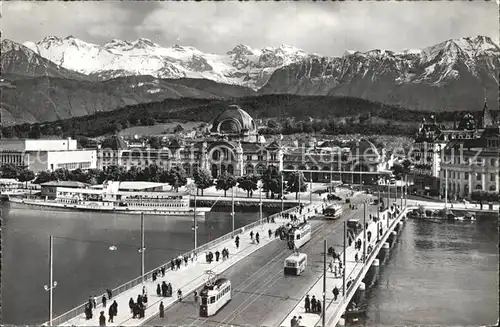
(41, 155)
(471, 164)
(430, 142)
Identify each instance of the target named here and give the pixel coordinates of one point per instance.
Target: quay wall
(334, 312)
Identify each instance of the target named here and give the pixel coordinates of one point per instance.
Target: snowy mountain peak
(241, 49)
(143, 43)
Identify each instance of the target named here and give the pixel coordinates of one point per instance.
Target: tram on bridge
(299, 235)
(295, 264)
(214, 297)
(333, 211)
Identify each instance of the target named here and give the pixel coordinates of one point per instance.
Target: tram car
(214, 297)
(299, 235)
(333, 212)
(295, 264)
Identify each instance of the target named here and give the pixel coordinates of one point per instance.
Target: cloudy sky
(327, 28)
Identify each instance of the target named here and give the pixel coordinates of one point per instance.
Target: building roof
(233, 120)
(71, 184)
(114, 142)
(139, 185)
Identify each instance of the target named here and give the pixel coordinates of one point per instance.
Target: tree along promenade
(188, 278)
(355, 271)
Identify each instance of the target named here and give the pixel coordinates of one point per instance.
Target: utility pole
(343, 266)
(232, 206)
(364, 232)
(195, 223)
(298, 176)
(52, 283)
(406, 190)
(142, 247)
(396, 194)
(324, 282)
(260, 200)
(311, 188)
(282, 195)
(446, 188)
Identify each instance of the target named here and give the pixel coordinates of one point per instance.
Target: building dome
(233, 120)
(114, 143)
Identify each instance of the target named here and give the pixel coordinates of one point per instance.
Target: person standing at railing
(108, 291)
(103, 301)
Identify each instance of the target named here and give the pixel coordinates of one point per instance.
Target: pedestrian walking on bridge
(179, 295)
(270, 232)
(237, 242)
(162, 310)
(251, 236)
(307, 304)
(102, 319)
(257, 237)
(335, 293)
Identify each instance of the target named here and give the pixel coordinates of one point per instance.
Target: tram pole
(282, 195)
(232, 206)
(311, 188)
(406, 190)
(195, 227)
(364, 232)
(324, 282)
(142, 247)
(343, 267)
(298, 176)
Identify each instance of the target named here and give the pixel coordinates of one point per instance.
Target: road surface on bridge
(262, 294)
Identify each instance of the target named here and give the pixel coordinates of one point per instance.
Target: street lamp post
(282, 195)
(259, 185)
(232, 206)
(446, 188)
(364, 231)
(298, 176)
(311, 188)
(52, 283)
(143, 248)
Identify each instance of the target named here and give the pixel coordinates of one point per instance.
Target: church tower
(486, 119)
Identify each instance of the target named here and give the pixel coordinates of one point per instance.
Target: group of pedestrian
(164, 290)
(175, 264)
(312, 305)
(138, 309)
(296, 322)
(159, 272)
(257, 237)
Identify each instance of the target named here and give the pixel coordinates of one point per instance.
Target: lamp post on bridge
(52, 282)
(259, 185)
(193, 189)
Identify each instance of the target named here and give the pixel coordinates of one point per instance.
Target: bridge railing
(75, 312)
(361, 274)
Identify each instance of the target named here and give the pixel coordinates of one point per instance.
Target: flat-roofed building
(43, 155)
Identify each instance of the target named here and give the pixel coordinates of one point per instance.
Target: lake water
(439, 274)
(83, 264)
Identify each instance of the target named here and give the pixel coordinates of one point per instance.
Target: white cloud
(327, 28)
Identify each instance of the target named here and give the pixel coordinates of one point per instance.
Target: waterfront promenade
(355, 272)
(188, 278)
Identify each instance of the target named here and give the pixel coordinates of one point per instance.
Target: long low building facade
(46, 155)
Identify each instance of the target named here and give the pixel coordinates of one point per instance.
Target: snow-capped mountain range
(58, 78)
(241, 66)
(456, 74)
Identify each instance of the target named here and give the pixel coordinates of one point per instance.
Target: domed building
(235, 124)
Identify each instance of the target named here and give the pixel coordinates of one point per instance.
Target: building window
(466, 176)
(492, 177)
(492, 162)
(249, 158)
(261, 158)
(478, 176)
(273, 156)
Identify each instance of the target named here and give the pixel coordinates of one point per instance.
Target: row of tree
(336, 126)
(176, 177)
